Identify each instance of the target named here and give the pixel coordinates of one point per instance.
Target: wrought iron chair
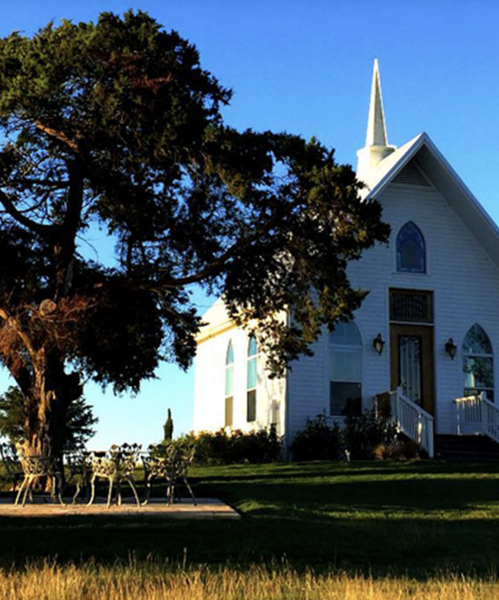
(116, 465)
(35, 467)
(170, 463)
(12, 465)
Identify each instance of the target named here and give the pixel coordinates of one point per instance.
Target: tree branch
(60, 135)
(27, 181)
(21, 218)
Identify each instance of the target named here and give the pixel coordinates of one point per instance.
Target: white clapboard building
(427, 333)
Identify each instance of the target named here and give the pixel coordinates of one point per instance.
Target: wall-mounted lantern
(450, 348)
(378, 344)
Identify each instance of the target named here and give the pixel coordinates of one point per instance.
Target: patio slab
(206, 508)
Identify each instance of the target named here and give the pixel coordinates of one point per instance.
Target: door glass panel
(410, 366)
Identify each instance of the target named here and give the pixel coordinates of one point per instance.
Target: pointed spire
(376, 128)
(376, 148)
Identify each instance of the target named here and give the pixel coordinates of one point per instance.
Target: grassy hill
(416, 518)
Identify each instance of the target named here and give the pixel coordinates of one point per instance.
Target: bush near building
(225, 447)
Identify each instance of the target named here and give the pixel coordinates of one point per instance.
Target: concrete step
(474, 448)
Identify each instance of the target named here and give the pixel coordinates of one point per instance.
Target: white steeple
(376, 148)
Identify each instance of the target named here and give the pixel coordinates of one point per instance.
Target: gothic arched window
(478, 363)
(252, 380)
(345, 370)
(411, 249)
(229, 385)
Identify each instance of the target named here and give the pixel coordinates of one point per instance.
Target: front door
(411, 345)
(411, 348)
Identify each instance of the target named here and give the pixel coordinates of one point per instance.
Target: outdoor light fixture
(450, 348)
(378, 343)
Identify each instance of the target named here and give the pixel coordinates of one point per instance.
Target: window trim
(356, 348)
(251, 392)
(398, 267)
(229, 398)
(465, 355)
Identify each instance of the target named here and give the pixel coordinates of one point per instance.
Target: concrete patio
(206, 508)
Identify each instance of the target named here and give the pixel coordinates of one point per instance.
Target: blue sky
(304, 66)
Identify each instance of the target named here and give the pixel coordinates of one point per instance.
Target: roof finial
(376, 128)
(376, 148)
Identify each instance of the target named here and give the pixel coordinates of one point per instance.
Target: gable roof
(215, 321)
(445, 179)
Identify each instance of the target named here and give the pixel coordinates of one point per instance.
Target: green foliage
(168, 427)
(80, 424)
(119, 126)
(317, 441)
(115, 126)
(364, 433)
(222, 447)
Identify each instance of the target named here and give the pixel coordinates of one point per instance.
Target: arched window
(478, 363)
(345, 370)
(252, 380)
(229, 385)
(411, 250)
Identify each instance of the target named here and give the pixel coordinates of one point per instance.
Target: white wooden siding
(465, 285)
(209, 386)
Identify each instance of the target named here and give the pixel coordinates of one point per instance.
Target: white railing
(412, 420)
(477, 414)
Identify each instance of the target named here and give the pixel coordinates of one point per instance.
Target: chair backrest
(171, 461)
(180, 457)
(103, 466)
(118, 461)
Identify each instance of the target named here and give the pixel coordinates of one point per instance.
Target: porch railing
(412, 420)
(477, 415)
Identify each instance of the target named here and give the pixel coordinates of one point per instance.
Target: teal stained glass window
(229, 385)
(252, 379)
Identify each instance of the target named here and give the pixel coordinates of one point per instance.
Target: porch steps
(473, 448)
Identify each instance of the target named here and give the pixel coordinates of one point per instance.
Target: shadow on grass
(302, 471)
(378, 547)
(419, 518)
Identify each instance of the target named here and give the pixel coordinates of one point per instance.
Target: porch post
(483, 411)
(458, 417)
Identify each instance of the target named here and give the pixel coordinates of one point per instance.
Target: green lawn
(416, 518)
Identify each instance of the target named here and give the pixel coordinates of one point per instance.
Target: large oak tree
(115, 126)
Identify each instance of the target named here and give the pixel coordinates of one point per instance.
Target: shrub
(366, 432)
(223, 447)
(317, 441)
(400, 449)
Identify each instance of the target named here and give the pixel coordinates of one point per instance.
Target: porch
(476, 426)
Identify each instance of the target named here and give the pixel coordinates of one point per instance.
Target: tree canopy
(115, 126)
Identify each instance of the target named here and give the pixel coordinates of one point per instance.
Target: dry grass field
(355, 531)
(147, 581)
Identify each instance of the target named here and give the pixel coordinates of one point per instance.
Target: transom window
(345, 370)
(252, 380)
(229, 385)
(411, 250)
(411, 306)
(478, 363)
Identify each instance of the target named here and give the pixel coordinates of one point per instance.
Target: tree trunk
(46, 408)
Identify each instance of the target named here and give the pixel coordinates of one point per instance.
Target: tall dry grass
(152, 581)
